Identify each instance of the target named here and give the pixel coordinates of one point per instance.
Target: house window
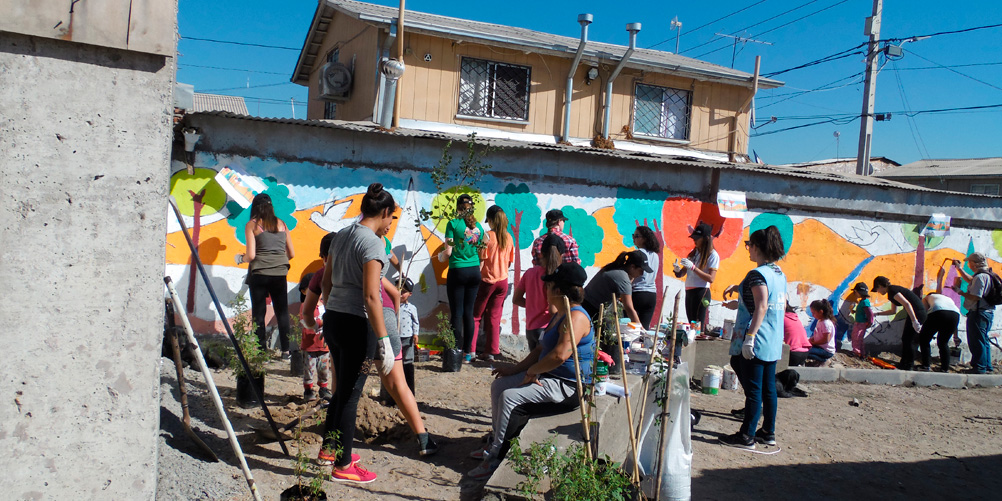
(661, 112)
(330, 107)
(493, 90)
(985, 189)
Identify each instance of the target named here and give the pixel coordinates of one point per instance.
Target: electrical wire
(951, 32)
(947, 66)
(249, 87)
(751, 26)
(244, 44)
(185, 65)
(954, 71)
(709, 23)
(834, 57)
(847, 118)
(824, 88)
(923, 151)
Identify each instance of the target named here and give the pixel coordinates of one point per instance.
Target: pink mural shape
(680, 214)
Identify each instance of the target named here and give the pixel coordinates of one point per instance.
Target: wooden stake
(626, 387)
(650, 360)
(664, 410)
(594, 365)
(577, 377)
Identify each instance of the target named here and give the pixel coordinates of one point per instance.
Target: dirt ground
(899, 443)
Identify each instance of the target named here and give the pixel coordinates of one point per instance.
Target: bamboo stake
(577, 377)
(650, 360)
(400, 285)
(594, 365)
(664, 410)
(626, 386)
(234, 443)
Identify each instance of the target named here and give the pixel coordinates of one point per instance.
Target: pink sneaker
(325, 458)
(354, 473)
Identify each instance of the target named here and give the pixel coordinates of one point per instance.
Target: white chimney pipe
(633, 28)
(584, 20)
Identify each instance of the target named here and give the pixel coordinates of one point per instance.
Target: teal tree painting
(524, 216)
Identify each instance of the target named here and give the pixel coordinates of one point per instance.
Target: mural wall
(827, 254)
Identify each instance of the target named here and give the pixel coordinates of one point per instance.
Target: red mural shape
(680, 215)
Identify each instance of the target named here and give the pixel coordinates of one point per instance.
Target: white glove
(748, 347)
(917, 326)
(385, 354)
(686, 264)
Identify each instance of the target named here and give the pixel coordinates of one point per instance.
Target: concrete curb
(896, 377)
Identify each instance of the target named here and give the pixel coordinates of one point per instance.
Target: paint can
(728, 330)
(730, 380)
(712, 375)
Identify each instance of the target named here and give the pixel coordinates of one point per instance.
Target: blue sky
(798, 32)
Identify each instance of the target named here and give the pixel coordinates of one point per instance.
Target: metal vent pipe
(584, 20)
(633, 28)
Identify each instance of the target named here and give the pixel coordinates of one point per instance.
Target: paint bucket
(730, 380)
(728, 330)
(712, 375)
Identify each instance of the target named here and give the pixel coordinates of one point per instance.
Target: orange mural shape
(612, 244)
(680, 214)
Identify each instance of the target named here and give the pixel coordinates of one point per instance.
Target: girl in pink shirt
(823, 340)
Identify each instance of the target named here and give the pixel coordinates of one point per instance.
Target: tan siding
(364, 48)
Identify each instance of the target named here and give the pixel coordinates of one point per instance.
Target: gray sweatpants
(508, 393)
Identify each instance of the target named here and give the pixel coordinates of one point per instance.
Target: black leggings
(351, 344)
(644, 303)
(942, 324)
(694, 309)
(261, 287)
(462, 285)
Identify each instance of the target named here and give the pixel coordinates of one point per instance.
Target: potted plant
(452, 358)
(244, 331)
(572, 474)
(310, 477)
(296, 364)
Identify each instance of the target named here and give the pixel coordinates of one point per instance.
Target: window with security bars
(493, 90)
(661, 112)
(985, 189)
(330, 107)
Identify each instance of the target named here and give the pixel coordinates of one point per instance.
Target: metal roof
(218, 102)
(513, 37)
(374, 128)
(960, 167)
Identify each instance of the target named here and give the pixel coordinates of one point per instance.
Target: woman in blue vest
(758, 337)
(545, 379)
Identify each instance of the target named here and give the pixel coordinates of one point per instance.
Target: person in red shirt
(555, 226)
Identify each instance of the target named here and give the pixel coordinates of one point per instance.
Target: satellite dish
(836, 134)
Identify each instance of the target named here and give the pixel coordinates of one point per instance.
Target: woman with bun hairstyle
(645, 292)
(758, 337)
(353, 296)
(269, 250)
(464, 237)
(616, 278)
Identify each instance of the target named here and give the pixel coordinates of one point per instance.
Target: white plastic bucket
(712, 375)
(730, 381)
(728, 331)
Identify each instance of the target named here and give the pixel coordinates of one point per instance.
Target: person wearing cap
(700, 270)
(464, 236)
(980, 313)
(546, 379)
(905, 298)
(410, 326)
(530, 291)
(495, 259)
(862, 319)
(555, 226)
(269, 250)
(942, 319)
(617, 278)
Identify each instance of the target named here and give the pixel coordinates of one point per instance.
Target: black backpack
(993, 295)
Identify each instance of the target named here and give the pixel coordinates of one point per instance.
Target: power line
(845, 119)
(711, 22)
(951, 32)
(751, 26)
(825, 87)
(249, 87)
(912, 126)
(244, 44)
(965, 75)
(185, 65)
(947, 66)
(834, 57)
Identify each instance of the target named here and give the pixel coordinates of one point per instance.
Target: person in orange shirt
(495, 259)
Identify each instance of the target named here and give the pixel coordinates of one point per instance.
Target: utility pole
(869, 90)
(734, 50)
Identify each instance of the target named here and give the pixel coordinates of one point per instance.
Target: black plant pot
(245, 394)
(452, 360)
(296, 363)
(295, 494)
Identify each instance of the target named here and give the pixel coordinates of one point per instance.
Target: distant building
(218, 102)
(501, 81)
(970, 175)
(846, 165)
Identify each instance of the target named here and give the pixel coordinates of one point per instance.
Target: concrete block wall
(85, 136)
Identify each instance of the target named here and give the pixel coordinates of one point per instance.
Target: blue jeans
(760, 395)
(978, 324)
(820, 354)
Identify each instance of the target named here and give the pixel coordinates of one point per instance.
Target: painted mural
(826, 255)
